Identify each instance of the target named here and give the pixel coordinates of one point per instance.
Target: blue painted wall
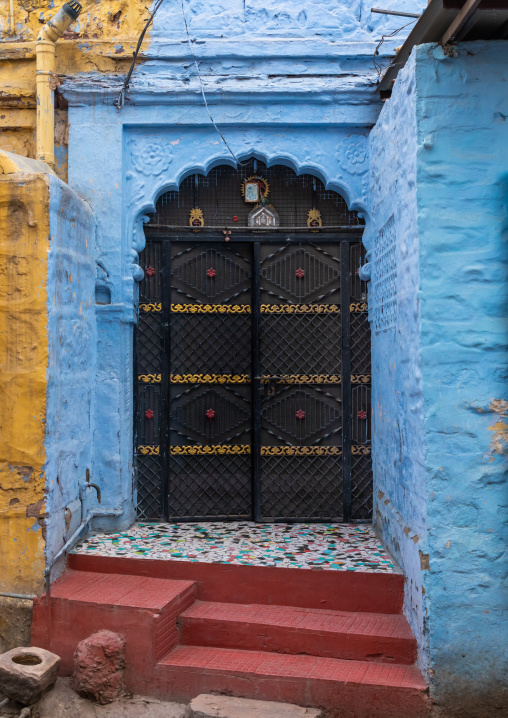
(287, 86)
(440, 416)
(71, 365)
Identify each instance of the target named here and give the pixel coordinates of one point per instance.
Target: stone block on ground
(99, 667)
(210, 706)
(26, 673)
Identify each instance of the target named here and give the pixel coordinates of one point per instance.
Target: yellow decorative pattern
(214, 450)
(360, 450)
(360, 378)
(300, 309)
(150, 378)
(210, 378)
(152, 307)
(303, 379)
(358, 307)
(301, 451)
(148, 450)
(210, 308)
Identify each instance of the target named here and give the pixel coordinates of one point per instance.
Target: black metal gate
(253, 373)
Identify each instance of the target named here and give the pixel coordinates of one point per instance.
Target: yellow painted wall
(24, 245)
(102, 40)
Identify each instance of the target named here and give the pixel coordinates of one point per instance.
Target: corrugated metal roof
(485, 20)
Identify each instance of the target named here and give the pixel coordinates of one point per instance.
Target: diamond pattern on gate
(300, 344)
(321, 415)
(150, 348)
(291, 485)
(212, 274)
(361, 487)
(149, 487)
(196, 492)
(360, 343)
(283, 271)
(211, 416)
(210, 344)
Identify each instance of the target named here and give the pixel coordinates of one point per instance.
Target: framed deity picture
(251, 191)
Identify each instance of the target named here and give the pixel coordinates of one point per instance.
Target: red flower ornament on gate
(148, 414)
(210, 414)
(211, 273)
(362, 414)
(149, 271)
(300, 273)
(300, 414)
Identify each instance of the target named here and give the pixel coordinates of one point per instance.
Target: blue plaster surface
(440, 401)
(288, 87)
(71, 366)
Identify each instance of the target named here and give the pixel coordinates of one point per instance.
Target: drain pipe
(94, 513)
(52, 31)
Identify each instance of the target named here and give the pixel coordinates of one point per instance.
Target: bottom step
(354, 689)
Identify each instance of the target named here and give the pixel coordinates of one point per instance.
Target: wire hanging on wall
(203, 89)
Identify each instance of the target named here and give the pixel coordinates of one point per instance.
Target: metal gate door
(254, 380)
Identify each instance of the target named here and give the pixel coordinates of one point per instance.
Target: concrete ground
(63, 702)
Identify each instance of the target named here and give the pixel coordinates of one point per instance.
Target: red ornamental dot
(362, 414)
(211, 273)
(210, 413)
(149, 271)
(300, 414)
(235, 218)
(357, 272)
(300, 273)
(149, 414)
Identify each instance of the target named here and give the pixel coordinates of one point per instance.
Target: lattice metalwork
(209, 344)
(304, 488)
(361, 488)
(218, 195)
(253, 361)
(203, 487)
(293, 344)
(149, 487)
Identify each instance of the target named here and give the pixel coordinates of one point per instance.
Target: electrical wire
(121, 97)
(203, 90)
(377, 65)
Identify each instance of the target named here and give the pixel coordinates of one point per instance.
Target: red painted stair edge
(355, 591)
(282, 629)
(354, 689)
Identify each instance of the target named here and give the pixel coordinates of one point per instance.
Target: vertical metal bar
(345, 300)
(256, 383)
(165, 409)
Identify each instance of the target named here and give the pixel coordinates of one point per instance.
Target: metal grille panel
(253, 361)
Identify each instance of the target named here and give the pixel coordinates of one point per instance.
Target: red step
(230, 583)
(285, 629)
(357, 689)
(144, 610)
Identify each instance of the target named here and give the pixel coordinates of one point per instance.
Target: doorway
(253, 357)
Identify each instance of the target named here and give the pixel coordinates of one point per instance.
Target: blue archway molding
(147, 199)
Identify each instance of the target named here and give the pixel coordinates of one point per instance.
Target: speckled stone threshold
(337, 547)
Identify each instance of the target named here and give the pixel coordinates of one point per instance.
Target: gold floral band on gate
(210, 378)
(360, 450)
(148, 450)
(150, 378)
(358, 307)
(301, 451)
(210, 308)
(360, 378)
(302, 379)
(216, 450)
(300, 309)
(151, 307)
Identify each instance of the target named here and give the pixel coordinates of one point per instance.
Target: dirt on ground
(64, 702)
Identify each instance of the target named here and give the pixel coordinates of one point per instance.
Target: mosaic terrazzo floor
(325, 546)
